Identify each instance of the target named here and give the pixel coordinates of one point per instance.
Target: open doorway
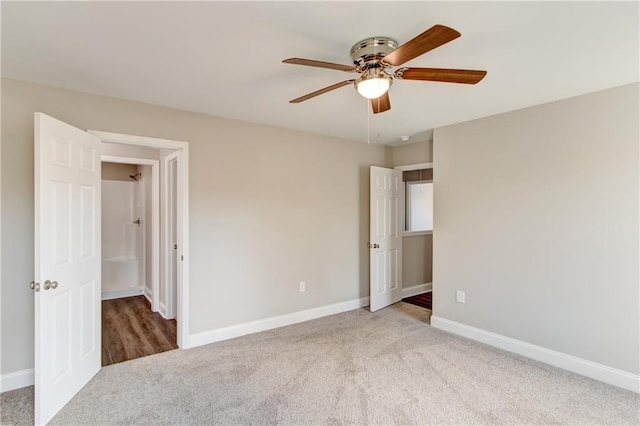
(417, 234)
(142, 231)
(400, 257)
(132, 327)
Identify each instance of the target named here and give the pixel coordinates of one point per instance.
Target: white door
(385, 242)
(67, 263)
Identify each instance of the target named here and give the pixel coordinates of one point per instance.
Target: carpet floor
(387, 367)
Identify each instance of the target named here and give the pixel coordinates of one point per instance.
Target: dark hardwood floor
(423, 300)
(130, 330)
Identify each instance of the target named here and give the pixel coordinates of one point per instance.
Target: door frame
(155, 219)
(418, 166)
(419, 288)
(169, 198)
(182, 291)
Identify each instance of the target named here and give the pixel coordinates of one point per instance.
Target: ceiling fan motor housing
(367, 53)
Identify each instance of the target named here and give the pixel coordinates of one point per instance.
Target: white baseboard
(147, 293)
(238, 330)
(117, 294)
(415, 290)
(162, 309)
(571, 363)
(16, 380)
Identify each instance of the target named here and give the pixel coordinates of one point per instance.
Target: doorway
(132, 327)
(417, 234)
(168, 296)
(401, 228)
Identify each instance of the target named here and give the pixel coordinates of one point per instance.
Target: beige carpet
(384, 368)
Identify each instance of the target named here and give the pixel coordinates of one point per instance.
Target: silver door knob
(34, 286)
(48, 284)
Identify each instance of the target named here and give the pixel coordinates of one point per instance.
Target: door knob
(34, 286)
(48, 284)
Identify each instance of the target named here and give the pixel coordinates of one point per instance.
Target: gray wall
(417, 260)
(268, 208)
(118, 171)
(416, 250)
(536, 217)
(413, 153)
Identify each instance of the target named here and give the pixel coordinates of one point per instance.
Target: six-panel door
(67, 263)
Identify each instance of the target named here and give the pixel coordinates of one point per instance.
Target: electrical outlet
(303, 286)
(459, 296)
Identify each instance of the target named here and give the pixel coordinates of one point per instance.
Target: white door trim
(155, 218)
(167, 310)
(139, 140)
(183, 209)
(418, 166)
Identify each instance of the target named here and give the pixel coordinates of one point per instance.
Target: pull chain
(377, 122)
(368, 123)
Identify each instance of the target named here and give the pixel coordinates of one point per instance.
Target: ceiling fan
(378, 60)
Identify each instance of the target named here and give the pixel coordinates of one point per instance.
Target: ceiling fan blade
(320, 64)
(321, 91)
(434, 37)
(441, 74)
(381, 104)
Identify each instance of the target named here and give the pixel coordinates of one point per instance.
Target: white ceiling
(224, 59)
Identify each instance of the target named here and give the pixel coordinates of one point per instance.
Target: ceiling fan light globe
(373, 87)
